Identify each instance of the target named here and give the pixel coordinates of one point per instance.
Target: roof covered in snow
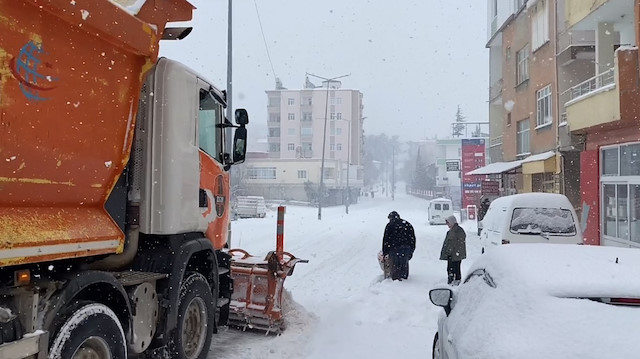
(539, 157)
(496, 168)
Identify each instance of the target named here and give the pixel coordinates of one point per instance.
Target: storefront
(620, 194)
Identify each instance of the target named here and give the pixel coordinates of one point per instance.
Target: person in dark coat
(454, 250)
(482, 211)
(398, 245)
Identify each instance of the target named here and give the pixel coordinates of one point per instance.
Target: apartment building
(296, 138)
(602, 118)
(523, 113)
(564, 108)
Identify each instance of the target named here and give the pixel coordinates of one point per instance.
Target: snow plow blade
(256, 302)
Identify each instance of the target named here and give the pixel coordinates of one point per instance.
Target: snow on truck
(114, 189)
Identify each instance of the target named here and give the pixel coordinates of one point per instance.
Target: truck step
(135, 278)
(223, 302)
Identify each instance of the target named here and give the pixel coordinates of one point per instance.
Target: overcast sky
(413, 60)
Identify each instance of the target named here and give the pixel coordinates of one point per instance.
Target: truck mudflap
(256, 302)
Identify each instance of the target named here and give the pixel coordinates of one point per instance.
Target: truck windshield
(209, 135)
(543, 220)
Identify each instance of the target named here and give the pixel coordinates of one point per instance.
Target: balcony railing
(495, 90)
(496, 141)
(591, 85)
(494, 25)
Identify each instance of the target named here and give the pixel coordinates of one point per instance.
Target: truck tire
(196, 315)
(89, 330)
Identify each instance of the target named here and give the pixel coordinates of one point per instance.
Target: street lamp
(324, 139)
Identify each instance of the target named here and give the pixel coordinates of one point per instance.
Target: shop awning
(496, 168)
(540, 163)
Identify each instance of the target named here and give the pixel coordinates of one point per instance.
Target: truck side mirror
(242, 117)
(240, 144)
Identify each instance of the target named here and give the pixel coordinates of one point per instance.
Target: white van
(250, 206)
(530, 218)
(439, 210)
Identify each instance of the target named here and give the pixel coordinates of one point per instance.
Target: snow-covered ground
(340, 307)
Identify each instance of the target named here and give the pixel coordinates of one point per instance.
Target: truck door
(214, 181)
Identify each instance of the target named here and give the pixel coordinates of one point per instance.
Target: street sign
(453, 166)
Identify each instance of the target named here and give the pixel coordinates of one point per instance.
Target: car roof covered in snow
(536, 199)
(565, 270)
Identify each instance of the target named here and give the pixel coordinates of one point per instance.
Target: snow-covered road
(341, 307)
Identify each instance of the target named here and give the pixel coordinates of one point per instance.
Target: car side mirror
(442, 297)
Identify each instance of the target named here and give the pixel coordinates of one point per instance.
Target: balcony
(576, 45)
(598, 100)
(495, 90)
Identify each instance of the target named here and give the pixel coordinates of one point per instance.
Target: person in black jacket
(398, 245)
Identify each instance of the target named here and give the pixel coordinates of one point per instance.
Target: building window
(261, 173)
(329, 173)
(338, 131)
(306, 116)
(509, 119)
(621, 193)
(291, 116)
(522, 70)
(274, 101)
(291, 147)
(309, 101)
(339, 116)
(274, 117)
(306, 131)
(274, 132)
(306, 147)
(339, 100)
(332, 101)
(332, 147)
(333, 116)
(274, 147)
(302, 174)
(339, 146)
(291, 131)
(540, 24)
(543, 115)
(291, 101)
(522, 137)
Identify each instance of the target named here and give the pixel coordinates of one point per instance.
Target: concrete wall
(576, 10)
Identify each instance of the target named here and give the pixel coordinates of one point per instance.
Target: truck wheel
(196, 315)
(90, 330)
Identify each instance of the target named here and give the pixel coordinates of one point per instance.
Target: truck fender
(202, 249)
(97, 286)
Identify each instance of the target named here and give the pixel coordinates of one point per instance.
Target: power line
(265, 40)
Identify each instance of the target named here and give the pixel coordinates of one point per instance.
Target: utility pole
(346, 205)
(229, 96)
(324, 140)
(393, 174)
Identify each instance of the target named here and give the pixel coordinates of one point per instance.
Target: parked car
(439, 209)
(543, 301)
(530, 218)
(250, 206)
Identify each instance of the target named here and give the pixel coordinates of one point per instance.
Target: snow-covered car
(530, 218)
(543, 301)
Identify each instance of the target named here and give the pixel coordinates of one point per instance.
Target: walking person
(398, 245)
(454, 250)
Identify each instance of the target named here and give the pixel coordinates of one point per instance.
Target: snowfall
(338, 304)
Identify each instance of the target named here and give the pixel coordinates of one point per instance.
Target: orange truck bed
(70, 78)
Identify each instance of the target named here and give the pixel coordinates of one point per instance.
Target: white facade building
(296, 123)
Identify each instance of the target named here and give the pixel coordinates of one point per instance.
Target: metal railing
(495, 90)
(576, 38)
(496, 141)
(494, 25)
(601, 80)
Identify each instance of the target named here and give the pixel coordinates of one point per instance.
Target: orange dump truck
(114, 184)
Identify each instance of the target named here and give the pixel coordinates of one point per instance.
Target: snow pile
(130, 6)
